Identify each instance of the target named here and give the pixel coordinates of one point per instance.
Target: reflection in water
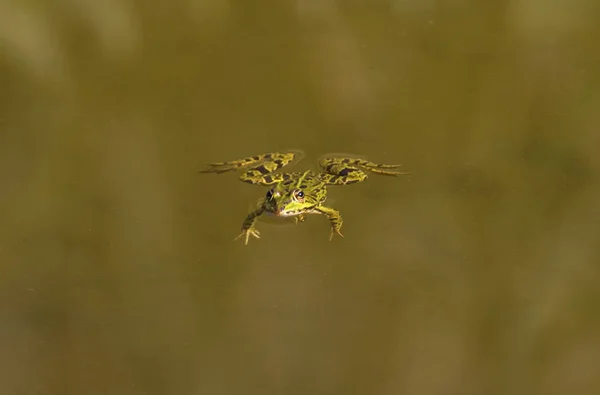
(118, 273)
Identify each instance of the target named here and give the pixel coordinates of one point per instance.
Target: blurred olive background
(477, 275)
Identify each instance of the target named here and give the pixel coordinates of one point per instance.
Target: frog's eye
(299, 195)
(269, 194)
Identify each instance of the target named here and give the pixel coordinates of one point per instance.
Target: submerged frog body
(297, 194)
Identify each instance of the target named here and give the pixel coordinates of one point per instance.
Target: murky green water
(478, 275)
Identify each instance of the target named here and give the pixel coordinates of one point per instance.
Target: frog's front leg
(299, 218)
(335, 219)
(248, 227)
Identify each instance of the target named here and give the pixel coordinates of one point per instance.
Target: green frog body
(297, 194)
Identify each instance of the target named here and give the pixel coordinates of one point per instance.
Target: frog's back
(308, 181)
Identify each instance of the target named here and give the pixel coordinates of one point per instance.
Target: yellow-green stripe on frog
(297, 194)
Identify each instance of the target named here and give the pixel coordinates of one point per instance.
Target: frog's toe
(246, 235)
(335, 231)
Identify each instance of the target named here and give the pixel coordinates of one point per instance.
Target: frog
(298, 194)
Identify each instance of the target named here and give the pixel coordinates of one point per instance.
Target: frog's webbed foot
(335, 220)
(248, 227)
(220, 167)
(334, 231)
(247, 233)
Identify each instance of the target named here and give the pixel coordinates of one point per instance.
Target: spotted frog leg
(345, 171)
(261, 168)
(261, 171)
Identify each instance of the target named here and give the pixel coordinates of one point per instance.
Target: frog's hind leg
(343, 171)
(261, 167)
(277, 160)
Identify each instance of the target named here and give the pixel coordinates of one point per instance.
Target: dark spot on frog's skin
(345, 172)
(262, 170)
(256, 157)
(267, 156)
(346, 160)
(268, 179)
(278, 163)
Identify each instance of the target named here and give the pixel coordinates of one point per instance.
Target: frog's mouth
(282, 213)
(279, 210)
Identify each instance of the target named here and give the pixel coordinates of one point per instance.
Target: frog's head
(288, 202)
